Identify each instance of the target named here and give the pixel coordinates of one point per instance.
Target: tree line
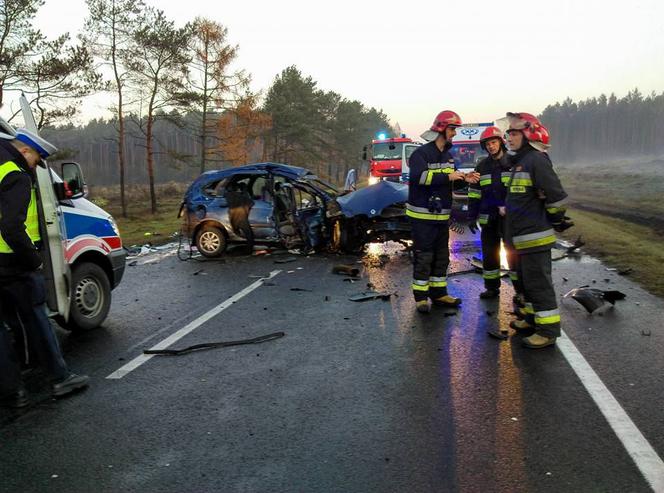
(176, 102)
(605, 127)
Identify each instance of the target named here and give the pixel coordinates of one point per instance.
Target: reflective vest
(32, 218)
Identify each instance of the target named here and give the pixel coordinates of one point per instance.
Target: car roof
(293, 172)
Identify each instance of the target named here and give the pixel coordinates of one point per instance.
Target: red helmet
(491, 133)
(530, 126)
(444, 120)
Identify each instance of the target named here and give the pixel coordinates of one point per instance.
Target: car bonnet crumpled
(371, 200)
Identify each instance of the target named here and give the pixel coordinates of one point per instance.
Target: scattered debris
(450, 314)
(371, 295)
(327, 298)
(351, 279)
(565, 279)
(625, 272)
(213, 345)
(301, 289)
(133, 263)
(285, 260)
(646, 332)
(577, 244)
(200, 272)
(593, 299)
(611, 269)
(347, 270)
(261, 252)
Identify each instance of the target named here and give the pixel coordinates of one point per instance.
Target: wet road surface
(356, 397)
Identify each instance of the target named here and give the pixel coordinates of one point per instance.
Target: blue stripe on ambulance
(78, 224)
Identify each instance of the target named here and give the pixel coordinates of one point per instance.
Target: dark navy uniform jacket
(534, 201)
(430, 183)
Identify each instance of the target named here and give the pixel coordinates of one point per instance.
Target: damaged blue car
(270, 203)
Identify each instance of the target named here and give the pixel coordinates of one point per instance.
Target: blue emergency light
(381, 136)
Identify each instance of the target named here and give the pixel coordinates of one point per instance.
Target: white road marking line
(641, 452)
(139, 360)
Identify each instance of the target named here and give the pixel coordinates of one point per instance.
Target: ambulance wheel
(90, 297)
(211, 241)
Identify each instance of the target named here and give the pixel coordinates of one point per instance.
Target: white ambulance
(82, 249)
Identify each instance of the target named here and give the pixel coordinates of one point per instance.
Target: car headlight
(373, 180)
(114, 225)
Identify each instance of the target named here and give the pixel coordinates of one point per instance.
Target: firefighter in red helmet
(432, 177)
(486, 205)
(534, 204)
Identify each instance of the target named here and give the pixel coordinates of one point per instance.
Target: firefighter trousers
(534, 271)
(431, 256)
(492, 234)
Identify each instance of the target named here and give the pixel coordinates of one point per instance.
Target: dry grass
(623, 245)
(141, 226)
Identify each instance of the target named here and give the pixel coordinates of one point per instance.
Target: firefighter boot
(447, 300)
(489, 294)
(521, 326)
(538, 341)
(423, 306)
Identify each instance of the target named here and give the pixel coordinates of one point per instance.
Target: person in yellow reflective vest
(535, 211)
(22, 285)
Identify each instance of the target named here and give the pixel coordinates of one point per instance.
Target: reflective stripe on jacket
(429, 180)
(533, 187)
(32, 218)
(489, 193)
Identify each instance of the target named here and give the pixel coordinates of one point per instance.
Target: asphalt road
(357, 397)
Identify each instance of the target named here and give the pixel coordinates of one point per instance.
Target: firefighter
(486, 203)
(535, 211)
(432, 177)
(22, 287)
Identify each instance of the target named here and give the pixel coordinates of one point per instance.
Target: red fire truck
(388, 157)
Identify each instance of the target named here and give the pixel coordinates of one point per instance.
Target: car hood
(371, 201)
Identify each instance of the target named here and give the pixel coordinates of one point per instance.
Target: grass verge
(622, 244)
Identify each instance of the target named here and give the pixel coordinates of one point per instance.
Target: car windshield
(387, 151)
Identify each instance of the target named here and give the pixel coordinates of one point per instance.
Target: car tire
(211, 241)
(345, 238)
(90, 297)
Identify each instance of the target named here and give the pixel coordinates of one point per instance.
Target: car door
(261, 215)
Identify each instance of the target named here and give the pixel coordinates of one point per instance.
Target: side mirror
(351, 181)
(74, 183)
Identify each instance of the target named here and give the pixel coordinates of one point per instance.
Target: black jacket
(534, 201)
(15, 191)
(429, 183)
(489, 193)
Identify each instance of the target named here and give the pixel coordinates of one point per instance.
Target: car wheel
(211, 241)
(90, 297)
(345, 237)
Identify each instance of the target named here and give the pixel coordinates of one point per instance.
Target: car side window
(260, 189)
(304, 199)
(212, 189)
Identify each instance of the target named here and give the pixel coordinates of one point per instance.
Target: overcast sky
(412, 59)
